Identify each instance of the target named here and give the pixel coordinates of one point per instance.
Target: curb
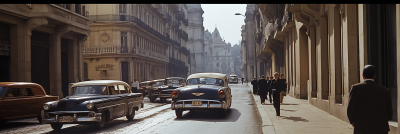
(267, 126)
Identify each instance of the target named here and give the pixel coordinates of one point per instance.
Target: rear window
(2, 90)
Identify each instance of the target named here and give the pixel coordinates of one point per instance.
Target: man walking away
(269, 89)
(283, 87)
(255, 85)
(135, 86)
(262, 89)
(276, 89)
(370, 105)
(242, 80)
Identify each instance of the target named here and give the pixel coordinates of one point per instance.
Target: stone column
(55, 61)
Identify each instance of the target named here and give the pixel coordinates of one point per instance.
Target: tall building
(143, 41)
(195, 43)
(218, 53)
(41, 43)
(322, 50)
(237, 59)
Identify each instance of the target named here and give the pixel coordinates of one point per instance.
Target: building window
(78, 8)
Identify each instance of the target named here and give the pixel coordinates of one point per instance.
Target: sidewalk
(298, 117)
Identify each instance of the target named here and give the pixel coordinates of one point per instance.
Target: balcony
(168, 17)
(104, 50)
(184, 50)
(116, 18)
(176, 61)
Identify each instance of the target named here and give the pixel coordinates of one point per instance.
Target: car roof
(174, 78)
(145, 82)
(157, 80)
(18, 83)
(208, 75)
(100, 82)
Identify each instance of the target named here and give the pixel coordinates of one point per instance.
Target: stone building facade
(143, 41)
(218, 53)
(252, 66)
(324, 48)
(237, 59)
(41, 43)
(195, 43)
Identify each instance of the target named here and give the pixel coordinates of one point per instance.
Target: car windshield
(158, 83)
(206, 81)
(233, 78)
(89, 90)
(2, 90)
(174, 82)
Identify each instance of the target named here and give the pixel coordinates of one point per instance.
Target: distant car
(233, 79)
(204, 91)
(143, 87)
(22, 99)
(163, 88)
(93, 102)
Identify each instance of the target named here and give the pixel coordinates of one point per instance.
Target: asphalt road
(158, 118)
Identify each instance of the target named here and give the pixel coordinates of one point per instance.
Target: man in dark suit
(269, 89)
(255, 85)
(262, 89)
(276, 89)
(370, 105)
(283, 87)
(242, 80)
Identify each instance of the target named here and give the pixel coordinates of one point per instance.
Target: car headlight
(46, 106)
(89, 105)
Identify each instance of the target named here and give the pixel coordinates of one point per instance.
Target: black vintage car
(204, 91)
(163, 88)
(93, 102)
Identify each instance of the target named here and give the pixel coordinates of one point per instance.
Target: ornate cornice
(313, 14)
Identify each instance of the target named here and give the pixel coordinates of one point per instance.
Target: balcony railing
(97, 18)
(184, 50)
(99, 50)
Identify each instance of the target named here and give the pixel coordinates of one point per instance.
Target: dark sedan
(93, 102)
(166, 88)
(204, 91)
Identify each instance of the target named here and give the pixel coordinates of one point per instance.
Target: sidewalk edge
(267, 126)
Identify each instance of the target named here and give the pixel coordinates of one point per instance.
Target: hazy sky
(223, 16)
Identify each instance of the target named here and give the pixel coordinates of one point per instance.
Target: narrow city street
(158, 117)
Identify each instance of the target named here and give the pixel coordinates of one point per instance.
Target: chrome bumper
(186, 104)
(76, 119)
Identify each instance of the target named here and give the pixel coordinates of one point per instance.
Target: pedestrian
(283, 86)
(276, 89)
(269, 89)
(255, 85)
(242, 80)
(135, 86)
(370, 105)
(262, 89)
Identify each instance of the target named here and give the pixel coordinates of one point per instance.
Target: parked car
(93, 102)
(163, 90)
(143, 87)
(204, 91)
(22, 99)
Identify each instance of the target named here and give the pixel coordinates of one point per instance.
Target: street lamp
(255, 52)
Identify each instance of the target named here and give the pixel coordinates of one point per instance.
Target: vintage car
(163, 90)
(22, 99)
(204, 91)
(93, 102)
(143, 86)
(233, 78)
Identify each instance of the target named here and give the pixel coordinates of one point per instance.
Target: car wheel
(39, 118)
(103, 120)
(56, 126)
(178, 113)
(131, 115)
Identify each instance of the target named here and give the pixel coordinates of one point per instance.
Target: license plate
(66, 119)
(196, 103)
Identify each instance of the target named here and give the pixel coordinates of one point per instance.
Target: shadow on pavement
(289, 110)
(91, 128)
(288, 104)
(232, 115)
(10, 125)
(294, 118)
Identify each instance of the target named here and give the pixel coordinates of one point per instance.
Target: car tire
(131, 115)
(103, 120)
(178, 113)
(39, 118)
(56, 126)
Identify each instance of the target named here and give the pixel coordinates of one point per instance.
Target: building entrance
(40, 60)
(64, 66)
(4, 52)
